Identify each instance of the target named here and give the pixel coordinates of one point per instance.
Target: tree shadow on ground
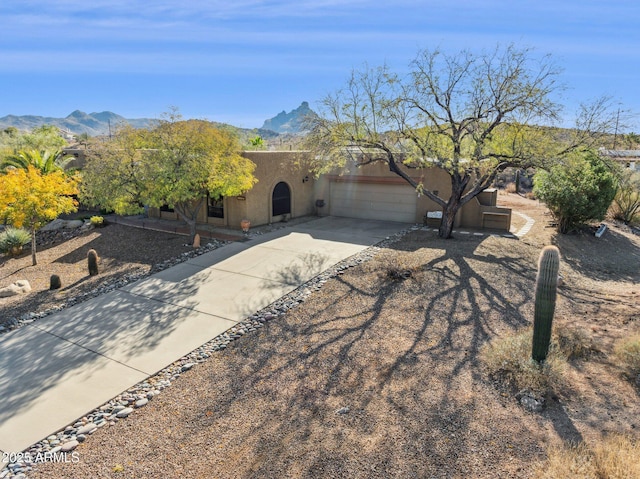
(404, 350)
(613, 255)
(115, 330)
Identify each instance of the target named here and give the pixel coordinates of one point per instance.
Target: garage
(373, 201)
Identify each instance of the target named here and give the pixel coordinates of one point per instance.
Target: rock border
(138, 396)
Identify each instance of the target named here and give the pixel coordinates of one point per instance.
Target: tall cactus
(92, 259)
(546, 292)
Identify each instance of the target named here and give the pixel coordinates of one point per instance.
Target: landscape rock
(73, 224)
(532, 404)
(21, 286)
(87, 428)
(69, 446)
(56, 224)
(124, 412)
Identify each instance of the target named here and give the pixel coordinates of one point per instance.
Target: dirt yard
(377, 375)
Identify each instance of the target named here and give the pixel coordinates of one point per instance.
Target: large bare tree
(471, 115)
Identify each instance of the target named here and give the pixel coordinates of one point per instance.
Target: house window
(166, 209)
(281, 200)
(215, 207)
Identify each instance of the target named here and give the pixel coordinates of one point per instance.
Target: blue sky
(243, 61)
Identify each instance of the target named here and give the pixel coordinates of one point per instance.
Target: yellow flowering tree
(29, 199)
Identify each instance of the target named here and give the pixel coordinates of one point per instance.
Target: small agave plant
(13, 239)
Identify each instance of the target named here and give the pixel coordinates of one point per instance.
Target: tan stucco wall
(275, 166)
(255, 205)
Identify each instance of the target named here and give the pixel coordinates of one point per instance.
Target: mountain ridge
(103, 123)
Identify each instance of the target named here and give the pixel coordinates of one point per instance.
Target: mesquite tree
(470, 115)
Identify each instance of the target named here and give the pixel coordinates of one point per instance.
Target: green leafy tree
(31, 198)
(577, 190)
(176, 164)
(11, 131)
(469, 115)
(193, 158)
(45, 137)
(117, 173)
(256, 143)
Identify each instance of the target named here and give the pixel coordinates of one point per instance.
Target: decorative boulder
(55, 225)
(59, 224)
(72, 224)
(21, 286)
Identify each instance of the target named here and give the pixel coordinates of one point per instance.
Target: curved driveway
(61, 367)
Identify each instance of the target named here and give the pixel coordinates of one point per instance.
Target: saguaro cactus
(546, 293)
(92, 259)
(55, 282)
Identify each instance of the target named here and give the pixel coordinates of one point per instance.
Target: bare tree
(470, 115)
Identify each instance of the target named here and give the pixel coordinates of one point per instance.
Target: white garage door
(373, 201)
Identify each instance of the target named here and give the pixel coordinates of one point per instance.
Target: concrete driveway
(61, 367)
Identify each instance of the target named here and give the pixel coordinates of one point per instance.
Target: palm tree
(46, 161)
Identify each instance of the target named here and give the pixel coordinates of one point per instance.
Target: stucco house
(286, 189)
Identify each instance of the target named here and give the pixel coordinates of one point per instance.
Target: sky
(244, 61)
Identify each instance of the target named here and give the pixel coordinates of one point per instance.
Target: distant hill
(292, 122)
(102, 123)
(95, 124)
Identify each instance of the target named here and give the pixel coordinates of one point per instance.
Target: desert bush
(13, 238)
(574, 342)
(511, 188)
(616, 457)
(626, 204)
(96, 221)
(396, 268)
(508, 359)
(627, 353)
(577, 190)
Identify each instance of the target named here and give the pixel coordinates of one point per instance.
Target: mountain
(78, 122)
(102, 123)
(292, 122)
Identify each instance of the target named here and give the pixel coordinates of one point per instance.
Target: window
(215, 207)
(166, 208)
(281, 199)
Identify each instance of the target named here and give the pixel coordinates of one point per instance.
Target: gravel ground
(123, 251)
(377, 373)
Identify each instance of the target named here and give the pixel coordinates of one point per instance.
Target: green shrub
(577, 190)
(508, 359)
(97, 221)
(12, 239)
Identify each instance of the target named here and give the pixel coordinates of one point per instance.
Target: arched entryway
(281, 200)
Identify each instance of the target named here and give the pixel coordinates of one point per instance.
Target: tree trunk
(451, 209)
(190, 217)
(448, 219)
(33, 247)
